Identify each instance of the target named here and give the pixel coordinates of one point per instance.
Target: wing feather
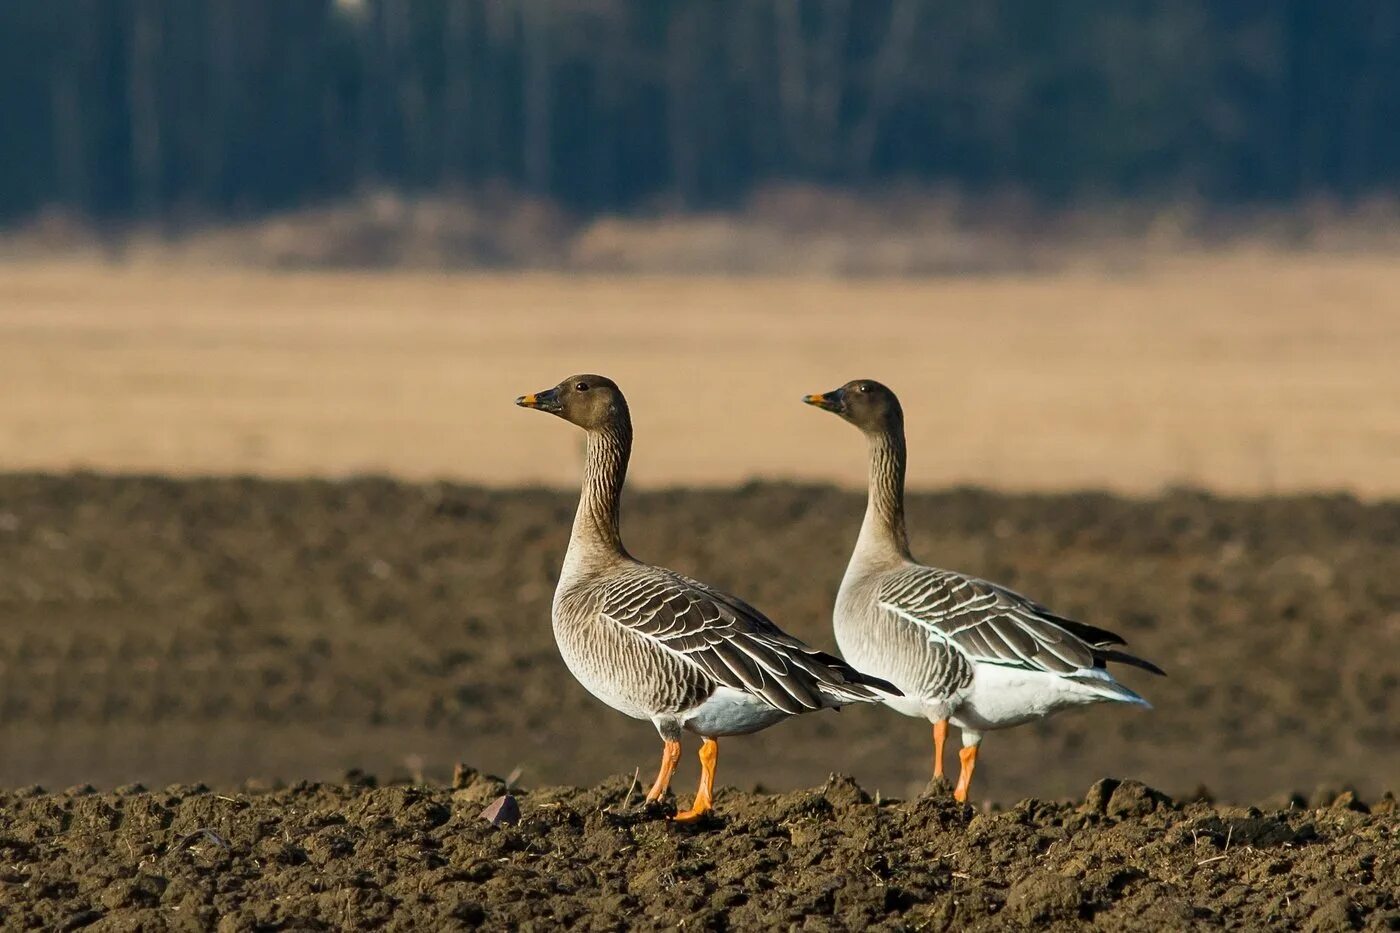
(994, 625)
(732, 642)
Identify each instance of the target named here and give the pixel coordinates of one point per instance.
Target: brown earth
(411, 857)
(158, 630)
(218, 630)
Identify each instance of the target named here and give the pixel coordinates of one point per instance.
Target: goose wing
(994, 625)
(732, 642)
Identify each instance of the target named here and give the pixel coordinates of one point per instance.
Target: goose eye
(581, 386)
(864, 387)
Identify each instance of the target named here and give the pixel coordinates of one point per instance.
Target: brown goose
(656, 645)
(959, 648)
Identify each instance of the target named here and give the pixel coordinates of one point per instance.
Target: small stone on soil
(503, 810)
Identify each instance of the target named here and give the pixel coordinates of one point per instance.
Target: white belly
(731, 712)
(1001, 697)
(932, 710)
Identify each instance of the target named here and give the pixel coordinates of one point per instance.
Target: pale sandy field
(1243, 373)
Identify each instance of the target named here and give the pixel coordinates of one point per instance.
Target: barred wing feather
(732, 642)
(994, 625)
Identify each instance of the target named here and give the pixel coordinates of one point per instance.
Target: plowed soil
(244, 633)
(408, 857)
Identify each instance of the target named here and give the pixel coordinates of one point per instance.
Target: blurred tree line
(167, 108)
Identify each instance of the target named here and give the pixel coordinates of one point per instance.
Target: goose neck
(882, 534)
(596, 532)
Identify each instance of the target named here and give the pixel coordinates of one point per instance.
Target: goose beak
(833, 401)
(548, 400)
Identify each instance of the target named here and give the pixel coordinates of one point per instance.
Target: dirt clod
(1134, 798)
(1041, 897)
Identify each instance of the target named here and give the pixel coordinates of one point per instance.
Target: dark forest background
(148, 109)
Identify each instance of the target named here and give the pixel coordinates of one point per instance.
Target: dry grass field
(1243, 373)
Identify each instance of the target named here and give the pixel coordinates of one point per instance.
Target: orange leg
(704, 797)
(968, 758)
(670, 754)
(940, 735)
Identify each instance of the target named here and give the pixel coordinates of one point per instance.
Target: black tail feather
(1101, 639)
(857, 677)
(1104, 655)
(1098, 637)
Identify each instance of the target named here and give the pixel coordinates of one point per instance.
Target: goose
(960, 649)
(659, 646)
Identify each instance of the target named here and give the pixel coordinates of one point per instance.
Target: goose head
(592, 402)
(865, 403)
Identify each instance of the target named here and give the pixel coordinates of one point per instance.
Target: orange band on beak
(527, 401)
(830, 401)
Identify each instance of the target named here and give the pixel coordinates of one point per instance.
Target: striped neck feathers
(596, 530)
(882, 534)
